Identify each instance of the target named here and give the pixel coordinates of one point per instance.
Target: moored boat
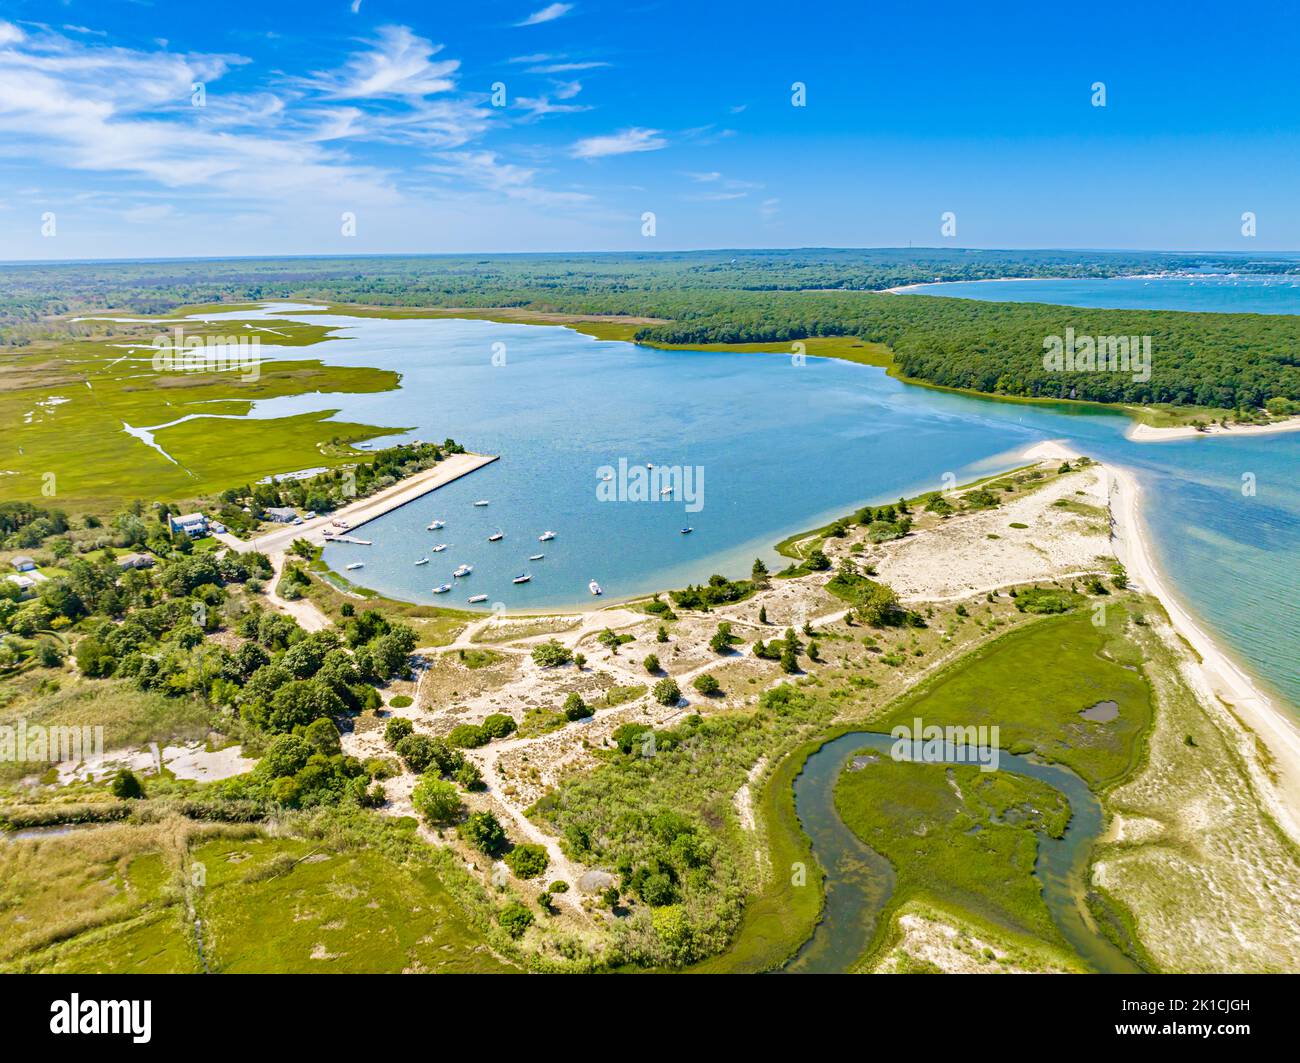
(536, 557)
(476, 598)
(355, 565)
(594, 587)
(546, 537)
(523, 577)
(423, 561)
(463, 570)
(442, 588)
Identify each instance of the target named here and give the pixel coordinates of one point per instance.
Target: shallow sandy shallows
(1145, 433)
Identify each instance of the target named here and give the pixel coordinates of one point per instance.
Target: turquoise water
(782, 448)
(1220, 294)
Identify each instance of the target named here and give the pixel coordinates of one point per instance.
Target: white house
(192, 524)
(24, 564)
(26, 584)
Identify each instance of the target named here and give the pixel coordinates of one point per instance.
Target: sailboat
(523, 577)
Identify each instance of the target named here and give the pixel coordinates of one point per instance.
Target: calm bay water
(782, 448)
(1215, 293)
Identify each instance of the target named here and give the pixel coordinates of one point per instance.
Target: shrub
(707, 685)
(515, 919)
(667, 692)
(469, 776)
(484, 831)
(401, 701)
(126, 786)
(397, 729)
(551, 654)
(468, 736)
(651, 664)
(527, 861)
(498, 725)
(577, 709)
(437, 801)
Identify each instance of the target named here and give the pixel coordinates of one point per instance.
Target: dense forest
(1222, 360)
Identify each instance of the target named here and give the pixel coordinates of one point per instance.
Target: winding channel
(859, 881)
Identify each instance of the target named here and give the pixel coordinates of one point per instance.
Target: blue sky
(384, 111)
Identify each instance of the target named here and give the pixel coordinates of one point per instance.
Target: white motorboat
(594, 587)
(434, 525)
(422, 561)
(546, 537)
(355, 565)
(476, 598)
(523, 577)
(440, 548)
(442, 589)
(496, 537)
(482, 502)
(536, 557)
(464, 570)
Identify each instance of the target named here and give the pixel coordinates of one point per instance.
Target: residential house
(192, 524)
(24, 564)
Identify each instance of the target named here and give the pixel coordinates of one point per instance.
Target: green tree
(437, 801)
(527, 861)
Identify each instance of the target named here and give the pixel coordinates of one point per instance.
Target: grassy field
(65, 407)
(959, 836)
(1033, 683)
(115, 899)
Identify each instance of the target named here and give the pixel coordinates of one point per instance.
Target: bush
(469, 776)
(484, 831)
(468, 736)
(651, 664)
(577, 709)
(397, 729)
(401, 701)
(667, 692)
(707, 685)
(498, 725)
(527, 861)
(436, 800)
(515, 919)
(127, 787)
(551, 654)
(421, 752)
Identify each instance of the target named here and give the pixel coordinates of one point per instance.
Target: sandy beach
(1215, 675)
(1145, 433)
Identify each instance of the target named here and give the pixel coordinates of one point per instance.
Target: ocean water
(776, 448)
(1215, 293)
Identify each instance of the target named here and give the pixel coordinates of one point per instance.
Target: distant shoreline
(1145, 433)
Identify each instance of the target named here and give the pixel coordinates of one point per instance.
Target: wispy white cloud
(547, 14)
(486, 170)
(397, 64)
(622, 143)
(567, 68)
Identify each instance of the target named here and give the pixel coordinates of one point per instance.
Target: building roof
(189, 518)
(21, 560)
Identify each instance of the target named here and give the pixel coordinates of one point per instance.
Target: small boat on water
(464, 570)
(442, 588)
(423, 561)
(476, 598)
(355, 565)
(666, 491)
(482, 502)
(496, 537)
(440, 548)
(536, 557)
(687, 531)
(523, 577)
(436, 524)
(594, 587)
(546, 537)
